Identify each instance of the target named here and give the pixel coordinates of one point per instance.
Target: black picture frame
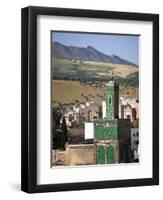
(29, 99)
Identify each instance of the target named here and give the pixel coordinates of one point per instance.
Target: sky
(124, 46)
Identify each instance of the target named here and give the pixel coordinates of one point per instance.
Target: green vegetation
(88, 72)
(59, 131)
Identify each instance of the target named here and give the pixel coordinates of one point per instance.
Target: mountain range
(86, 54)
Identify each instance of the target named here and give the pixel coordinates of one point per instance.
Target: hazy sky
(125, 46)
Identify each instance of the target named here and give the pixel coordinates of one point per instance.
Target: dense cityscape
(88, 133)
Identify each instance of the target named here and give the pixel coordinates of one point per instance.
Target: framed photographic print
(90, 99)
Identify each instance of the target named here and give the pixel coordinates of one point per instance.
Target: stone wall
(83, 154)
(58, 157)
(79, 154)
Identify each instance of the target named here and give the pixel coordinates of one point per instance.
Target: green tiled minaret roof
(112, 100)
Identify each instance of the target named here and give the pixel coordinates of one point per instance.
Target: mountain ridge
(88, 53)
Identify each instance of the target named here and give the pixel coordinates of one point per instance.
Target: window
(109, 100)
(136, 142)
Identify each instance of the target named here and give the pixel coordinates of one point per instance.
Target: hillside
(82, 80)
(90, 72)
(66, 92)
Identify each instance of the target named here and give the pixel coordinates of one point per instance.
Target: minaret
(112, 100)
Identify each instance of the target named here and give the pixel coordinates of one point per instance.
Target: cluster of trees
(129, 81)
(59, 130)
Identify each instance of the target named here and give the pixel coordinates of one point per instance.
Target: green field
(90, 72)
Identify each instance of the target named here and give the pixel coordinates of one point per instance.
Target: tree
(64, 134)
(56, 116)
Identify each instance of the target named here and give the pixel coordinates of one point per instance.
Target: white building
(135, 142)
(103, 109)
(87, 104)
(89, 130)
(129, 108)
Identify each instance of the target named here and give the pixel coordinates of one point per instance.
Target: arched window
(100, 155)
(110, 155)
(109, 100)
